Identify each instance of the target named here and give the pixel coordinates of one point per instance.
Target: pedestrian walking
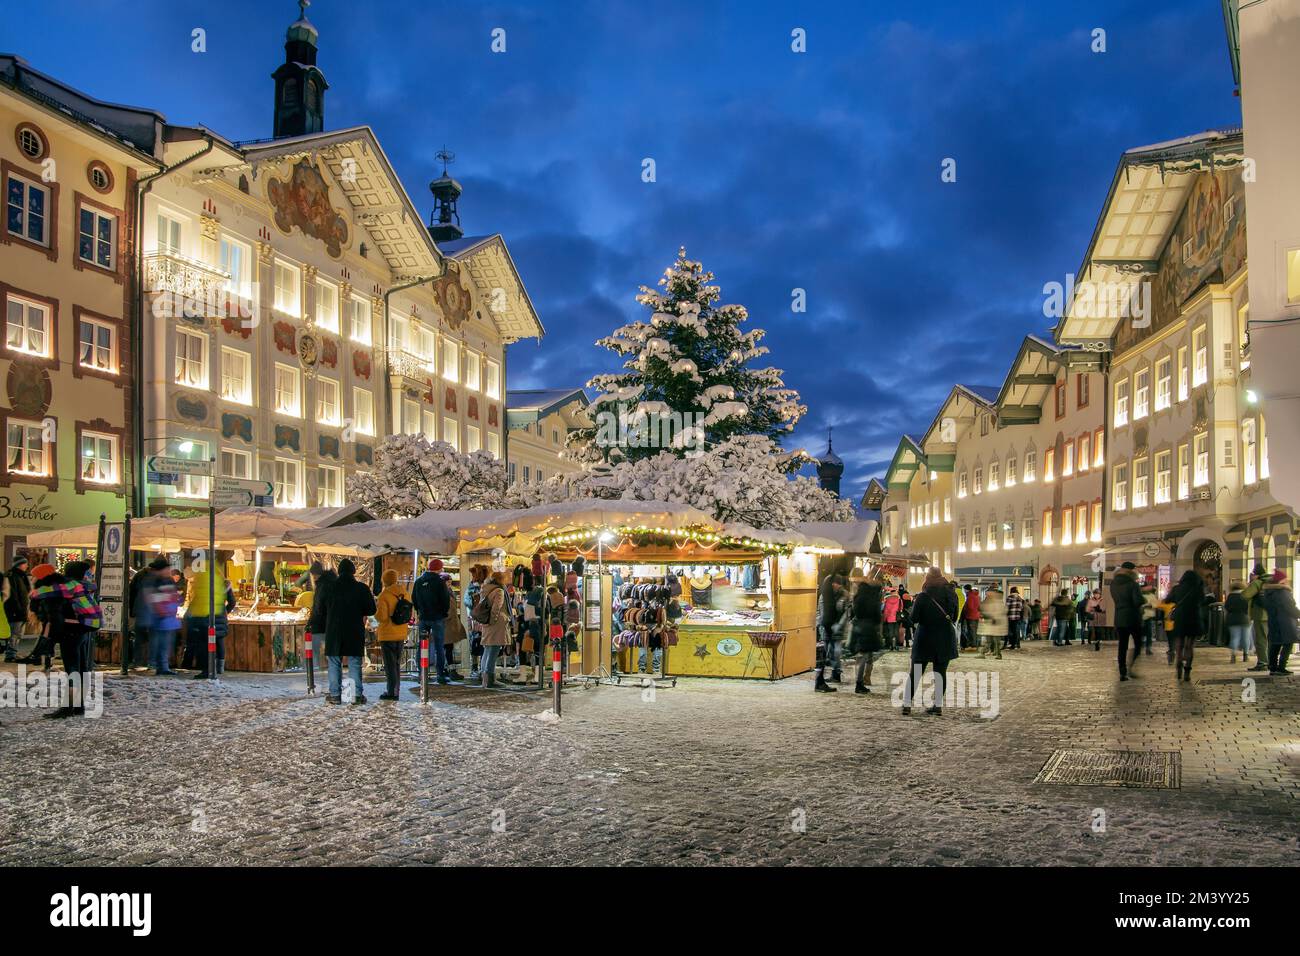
(222, 598)
(1015, 618)
(345, 607)
(432, 599)
(865, 638)
(394, 612)
(1062, 609)
(159, 602)
(1126, 595)
(891, 611)
(1034, 619)
(323, 580)
(1150, 615)
(1237, 611)
(934, 641)
(473, 629)
(17, 604)
(1188, 597)
(1254, 595)
(992, 623)
(69, 618)
(905, 602)
(832, 609)
(493, 613)
(1280, 604)
(970, 617)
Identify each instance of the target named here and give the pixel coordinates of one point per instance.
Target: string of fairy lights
(681, 538)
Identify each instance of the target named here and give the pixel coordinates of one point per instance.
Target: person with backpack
(394, 612)
(432, 599)
(492, 613)
(157, 604)
(349, 604)
(70, 619)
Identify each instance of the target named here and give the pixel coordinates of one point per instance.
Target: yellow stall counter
(715, 651)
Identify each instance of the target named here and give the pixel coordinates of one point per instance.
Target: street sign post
(164, 464)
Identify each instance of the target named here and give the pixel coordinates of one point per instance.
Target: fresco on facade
(304, 202)
(1208, 242)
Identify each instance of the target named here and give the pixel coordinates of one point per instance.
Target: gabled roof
(981, 395)
(988, 394)
(489, 264)
(1146, 196)
(908, 457)
(1036, 356)
(529, 406)
(379, 200)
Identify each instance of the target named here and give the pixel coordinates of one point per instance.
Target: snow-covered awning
(852, 537)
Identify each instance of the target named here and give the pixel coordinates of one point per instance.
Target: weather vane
(302, 7)
(447, 156)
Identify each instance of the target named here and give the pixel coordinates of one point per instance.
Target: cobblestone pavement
(251, 771)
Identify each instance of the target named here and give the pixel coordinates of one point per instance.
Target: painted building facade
(539, 422)
(70, 165)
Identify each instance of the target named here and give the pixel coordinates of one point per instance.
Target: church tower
(444, 222)
(830, 468)
(299, 85)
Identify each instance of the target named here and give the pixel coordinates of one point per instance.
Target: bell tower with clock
(299, 85)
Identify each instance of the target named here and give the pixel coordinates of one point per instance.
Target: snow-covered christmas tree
(689, 364)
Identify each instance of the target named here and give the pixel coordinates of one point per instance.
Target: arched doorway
(1207, 561)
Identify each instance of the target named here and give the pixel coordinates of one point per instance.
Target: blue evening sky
(778, 170)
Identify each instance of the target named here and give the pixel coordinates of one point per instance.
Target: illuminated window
(1027, 533)
(1067, 526)
(994, 470)
(1184, 472)
(1201, 457)
(961, 540)
(236, 463)
(1099, 448)
(1081, 522)
(26, 452)
(1085, 452)
(1011, 472)
(97, 343)
(492, 380)
(329, 409)
(979, 480)
(236, 376)
(1096, 521)
(288, 483)
(977, 540)
(1119, 488)
(96, 237)
(288, 390)
(27, 206)
(1141, 394)
(1067, 460)
(1084, 390)
(1121, 403)
(193, 486)
(327, 306)
(1164, 383)
(1184, 388)
(472, 439)
(1047, 526)
(27, 326)
(451, 435)
(1200, 358)
(1164, 477)
(288, 289)
(494, 444)
(961, 485)
(329, 487)
(992, 539)
(1031, 466)
(363, 411)
(1059, 394)
(947, 509)
(1263, 448)
(191, 359)
(1141, 483)
(450, 360)
(1009, 534)
(359, 320)
(1049, 465)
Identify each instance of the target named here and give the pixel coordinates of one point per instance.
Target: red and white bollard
(212, 652)
(557, 678)
(424, 670)
(307, 648)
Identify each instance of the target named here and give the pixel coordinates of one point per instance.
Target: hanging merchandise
(701, 590)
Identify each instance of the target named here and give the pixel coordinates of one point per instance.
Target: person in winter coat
(17, 605)
(432, 599)
(1280, 604)
(992, 623)
(865, 639)
(347, 605)
(1254, 595)
(1062, 618)
(323, 580)
(1034, 619)
(158, 602)
(1237, 613)
(1015, 618)
(934, 617)
(905, 601)
(196, 617)
(833, 607)
(1188, 596)
(392, 634)
(969, 608)
(891, 612)
(70, 619)
(477, 575)
(1126, 595)
(496, 632)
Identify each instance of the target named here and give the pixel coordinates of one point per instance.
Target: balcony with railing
(167, 271)
(418, 368)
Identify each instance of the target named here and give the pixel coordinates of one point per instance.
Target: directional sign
(231, 499)
(179, 466)
(163, 478)
(254, 488)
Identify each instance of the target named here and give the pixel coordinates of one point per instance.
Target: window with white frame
(1031, 466)
(1067, 459)
(1263, 448)
(1067, 526)
(450, 360)
(961, 485)
(1164, 383)
(288, 483)
(979, 480)
(995, 475)
(1164, 477)
(329, 487)
(1085, 452)
(329, 409)
(410, 417)
(1141, 394)
(1049, 519)
(1010, 481)
(1049, 465)
(528, 475)
(236, 463)
(26, 452)
(363, 411)
(1201, 459)
(451, 435)
(96, 237)
(1009, 534)
(1184, 472)
(1119, 488)
(1027, 532)
(1184, 375)
(494, 444)
(327, 306)
(472, 377)
(233, 257)
(429, 424)
(288, 390)
(191, 359)
(961, 540)
(492, 379)
(977, 537)
(171, 233)
(1200, 357)
(359, 320)
(193, 486)
(1121, 403)
(27, 205)
(1096, 521)
(288, 289)
(992, 539)
(1249, 452)
(97, 344)
(236, 376)
(1141, 482)
(472, 438)
(27, 326)
(947, 510)
(1099, 448)
(1229, 452)
(513, 472)
(422, 342)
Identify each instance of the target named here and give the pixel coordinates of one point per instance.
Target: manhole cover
(1146, 769)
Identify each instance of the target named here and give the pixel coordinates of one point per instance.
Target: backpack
(402, 611)
(482, 610)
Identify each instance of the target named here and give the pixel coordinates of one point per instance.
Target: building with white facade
(538, 423)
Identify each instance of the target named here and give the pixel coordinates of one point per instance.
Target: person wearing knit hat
(393, 611)
(17, 603)
(432, 599)
(1254, 595)
(1279, 603)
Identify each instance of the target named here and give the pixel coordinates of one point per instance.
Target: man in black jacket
(18, 604)
(432, 599)
(323, 580)
(1126, 594)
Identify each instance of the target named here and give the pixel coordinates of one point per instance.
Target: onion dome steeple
(830, 467)
(299, 84)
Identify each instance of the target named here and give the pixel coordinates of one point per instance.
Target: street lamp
(603, 539)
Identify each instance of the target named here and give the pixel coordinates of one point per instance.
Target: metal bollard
(307, 648)
(212, 652)
(424, 670)
(557, 679)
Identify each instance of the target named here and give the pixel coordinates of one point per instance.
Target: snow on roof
(987, 393)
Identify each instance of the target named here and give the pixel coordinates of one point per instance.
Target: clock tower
(299, 85)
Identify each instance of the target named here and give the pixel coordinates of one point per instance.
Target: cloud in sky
(778, 170)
